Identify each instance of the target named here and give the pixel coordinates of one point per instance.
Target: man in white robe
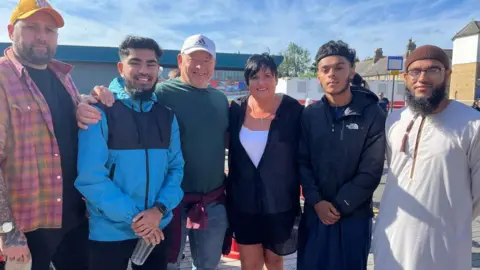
(433, 183)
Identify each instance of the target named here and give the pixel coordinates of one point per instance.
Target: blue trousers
(342, 246)
(205, 245)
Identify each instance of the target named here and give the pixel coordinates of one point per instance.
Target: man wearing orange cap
(42, 215)
(433, 183)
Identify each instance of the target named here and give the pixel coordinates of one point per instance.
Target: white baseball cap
(198, 42)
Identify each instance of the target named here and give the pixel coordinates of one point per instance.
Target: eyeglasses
(432, 73)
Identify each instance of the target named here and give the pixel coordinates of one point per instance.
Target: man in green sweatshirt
(202, 114)
(203, 118)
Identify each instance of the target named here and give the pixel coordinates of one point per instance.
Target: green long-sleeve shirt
(202, 115)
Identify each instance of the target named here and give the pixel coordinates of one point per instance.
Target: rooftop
(473, 28)
(367, 68)
(72, 53)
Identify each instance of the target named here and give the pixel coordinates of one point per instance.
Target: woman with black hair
(263, 188)
(357, 80)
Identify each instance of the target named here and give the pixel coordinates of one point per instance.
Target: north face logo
(201, 42)
(352, 126)
(42, 3)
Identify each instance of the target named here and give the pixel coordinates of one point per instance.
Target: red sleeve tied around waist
(197, 217)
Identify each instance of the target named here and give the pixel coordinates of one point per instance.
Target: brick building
(375, 68)
(465, 81)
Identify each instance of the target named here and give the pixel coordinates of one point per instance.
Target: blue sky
(255, 26)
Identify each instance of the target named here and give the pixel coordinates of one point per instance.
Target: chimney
(410, 47)
(378, 54)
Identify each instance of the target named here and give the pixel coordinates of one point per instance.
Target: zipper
(147, 165)
(415, 151)
(112, 171)
(341, 131)
(148, 179)
(333, 127)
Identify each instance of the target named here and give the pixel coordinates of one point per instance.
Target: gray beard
(426, 105)
(28, 55)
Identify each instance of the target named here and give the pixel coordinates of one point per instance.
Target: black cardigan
(274, 186)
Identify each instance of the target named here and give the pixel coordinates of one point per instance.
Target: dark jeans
(66, 249)
(116, 255)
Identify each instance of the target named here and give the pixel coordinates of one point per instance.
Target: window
(228, 75)
(218, 75)
(302, 87)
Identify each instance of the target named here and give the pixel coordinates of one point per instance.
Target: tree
(295, 61)
(311, 71)
(308, 75)
(314, 67)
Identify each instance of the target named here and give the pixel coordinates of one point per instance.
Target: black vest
(129, 129)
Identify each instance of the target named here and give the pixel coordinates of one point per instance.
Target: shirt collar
(58, 67)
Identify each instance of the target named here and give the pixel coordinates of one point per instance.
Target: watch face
(162, 208)
(7, 227)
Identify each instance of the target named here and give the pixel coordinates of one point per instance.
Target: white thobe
(426, 211)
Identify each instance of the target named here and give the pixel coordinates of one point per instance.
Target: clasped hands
(327, 213)
(147, 225)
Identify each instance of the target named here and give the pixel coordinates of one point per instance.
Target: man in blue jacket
(130, 165)
(341, 158)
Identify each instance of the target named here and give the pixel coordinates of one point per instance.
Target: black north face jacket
(341, 161)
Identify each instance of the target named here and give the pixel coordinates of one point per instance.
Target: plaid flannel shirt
(29, 153)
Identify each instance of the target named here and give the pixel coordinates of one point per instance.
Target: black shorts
(267, 230)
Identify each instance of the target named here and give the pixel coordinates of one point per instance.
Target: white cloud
(256, 26)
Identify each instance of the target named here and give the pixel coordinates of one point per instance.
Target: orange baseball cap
(27, 8)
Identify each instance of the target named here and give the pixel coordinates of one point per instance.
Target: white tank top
(254, 142)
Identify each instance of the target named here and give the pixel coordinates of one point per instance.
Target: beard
(140, 94)
(426, 105)
(345, 88)
(27, 53)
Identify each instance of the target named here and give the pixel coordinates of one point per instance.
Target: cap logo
(42, 3)
(201, 42)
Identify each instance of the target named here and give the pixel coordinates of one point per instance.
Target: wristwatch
(6, 227)
(161, 207)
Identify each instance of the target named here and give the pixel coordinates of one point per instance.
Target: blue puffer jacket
(113, 203)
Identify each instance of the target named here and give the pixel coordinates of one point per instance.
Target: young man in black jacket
(342, 149)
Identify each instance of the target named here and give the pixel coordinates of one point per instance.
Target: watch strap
(161, 207)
